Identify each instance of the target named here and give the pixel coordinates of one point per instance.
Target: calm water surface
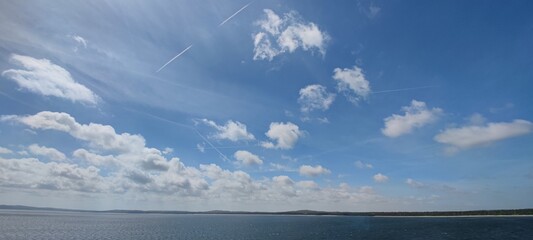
(73, 225)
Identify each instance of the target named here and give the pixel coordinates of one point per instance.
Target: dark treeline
(506, 212)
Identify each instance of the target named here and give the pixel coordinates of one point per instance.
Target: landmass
(500, 212)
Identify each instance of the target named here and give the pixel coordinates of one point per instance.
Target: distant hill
(504, 212)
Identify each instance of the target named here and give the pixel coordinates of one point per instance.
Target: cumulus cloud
(310, 171)
(308, 184)
(95, 159)
(480, 135)
(380, 178)
(32, 173)
(362, 165)
(43, 77)
(416, 115)
(232, 130)
(283, 180)
(352, 82)
(284, 135)
(140, 171)
(315, 97)
(51, 153)
(286, 34)
(4, 150)
(247, 158)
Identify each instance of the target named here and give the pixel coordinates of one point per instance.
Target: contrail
(20, 101)
(158, 118)
(212, 146)
(402, 89)
(182, 125)
(237, 12)
(179, 54)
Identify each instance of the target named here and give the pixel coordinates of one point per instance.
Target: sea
(19, 224)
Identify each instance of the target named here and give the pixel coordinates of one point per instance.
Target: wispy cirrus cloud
(43, 77)
(79, 40)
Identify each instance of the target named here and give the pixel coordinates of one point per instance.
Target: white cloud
(479, 135)
(416, 115)
(135, 171)
(362, 165)
(284, 135)
(380, 178)
(283, 180)
(310, 171)
(263, 48)
(366, 189)
(308, 184)
(98, 135)
(167, 150)
(200, 147)
(305, 36)
(32, 173)
(315, 97)
(414, 184)
(286, 34)
(80, 40)
(43, 77)
(232, 130)
(272, 23)
(352, 82)
(95, 159)
(4, 150)
(50, 153)
(247, 158)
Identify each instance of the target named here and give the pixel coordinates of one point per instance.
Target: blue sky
(272, 105)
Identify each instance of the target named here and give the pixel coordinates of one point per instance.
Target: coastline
(436, 214)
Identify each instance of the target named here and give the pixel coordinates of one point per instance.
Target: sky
(267, 105)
